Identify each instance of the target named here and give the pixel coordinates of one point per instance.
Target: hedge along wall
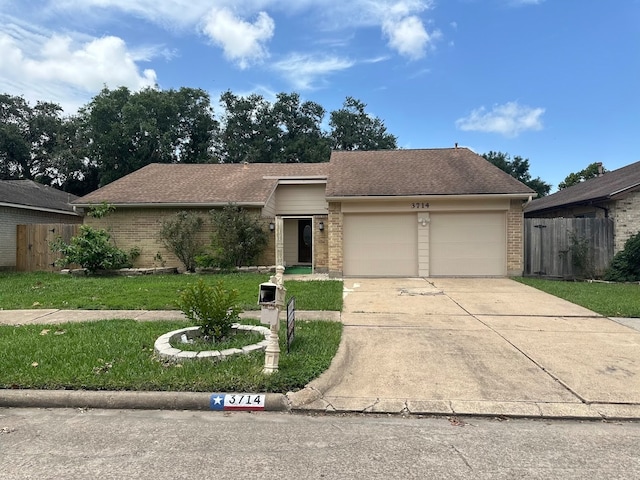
(140, 227)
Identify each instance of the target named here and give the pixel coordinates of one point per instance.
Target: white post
(272, 352)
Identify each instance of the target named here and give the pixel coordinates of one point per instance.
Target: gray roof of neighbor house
(201, 184)
(444, 171)
(35, 196)
(594, 190)
(452, 171)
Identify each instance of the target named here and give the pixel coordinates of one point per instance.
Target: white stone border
(165, 351)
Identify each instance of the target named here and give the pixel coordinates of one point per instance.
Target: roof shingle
(447, 171)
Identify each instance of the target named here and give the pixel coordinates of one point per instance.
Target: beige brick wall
(321, 244)
(515, 247)
(626, 216)
(335, 239)
(140, 227)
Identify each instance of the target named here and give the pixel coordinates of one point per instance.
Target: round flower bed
(165, 351)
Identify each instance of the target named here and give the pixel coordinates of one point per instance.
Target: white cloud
(303, 71)
(408, 36)
(66, 70)
(509, 119)
(241, 41)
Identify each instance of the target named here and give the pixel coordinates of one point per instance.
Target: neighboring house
(614, 195)
(436, 212)
(25, 202)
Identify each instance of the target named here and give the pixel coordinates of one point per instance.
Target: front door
(305, 241)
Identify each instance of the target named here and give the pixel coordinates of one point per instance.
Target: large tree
(128, 130)
(518, 168)
(593, 170)
(28, 137)
(352, 128)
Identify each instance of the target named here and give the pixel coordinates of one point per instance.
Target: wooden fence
(33, 250)
(552, 246)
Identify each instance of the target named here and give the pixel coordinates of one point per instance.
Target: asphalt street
(123, 444)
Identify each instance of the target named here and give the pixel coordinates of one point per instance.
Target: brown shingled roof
(201, 184)
(448, 171)
(451, 171)
(594, 190)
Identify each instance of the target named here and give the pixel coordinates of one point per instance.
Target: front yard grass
(149, 292)
(118, 355)
(608, 299)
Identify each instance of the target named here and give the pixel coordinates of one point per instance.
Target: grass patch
(148, 292)
(608, 299)
(118, 355)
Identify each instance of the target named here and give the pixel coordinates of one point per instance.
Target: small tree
(625, 266)
(239, 237)
(214, 309)
(180, 235)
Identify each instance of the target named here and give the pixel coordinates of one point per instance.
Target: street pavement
(449, 346)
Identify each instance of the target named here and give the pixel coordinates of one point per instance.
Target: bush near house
(239, 238)
(625, 266)
(179, 235)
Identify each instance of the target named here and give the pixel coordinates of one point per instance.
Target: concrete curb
(310, 400)
(125, 400)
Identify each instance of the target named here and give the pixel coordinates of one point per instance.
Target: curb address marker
(236, 401)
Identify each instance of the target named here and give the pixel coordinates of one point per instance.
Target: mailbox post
(271, 300)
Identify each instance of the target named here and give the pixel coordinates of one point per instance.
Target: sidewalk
(431, 347)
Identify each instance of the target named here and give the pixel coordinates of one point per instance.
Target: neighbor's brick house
(431, 212)
(614, 195)
(24, 202)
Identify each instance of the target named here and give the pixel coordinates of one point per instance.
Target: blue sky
(554, 81)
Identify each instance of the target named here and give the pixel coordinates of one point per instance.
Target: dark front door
(305, 241)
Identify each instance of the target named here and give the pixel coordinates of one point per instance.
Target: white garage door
(468, 244)
(380, 245)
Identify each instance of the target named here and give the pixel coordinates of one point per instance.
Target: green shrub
(180, 235)
(239, 237)
(625, 266)
(91, 249)
(213, 309)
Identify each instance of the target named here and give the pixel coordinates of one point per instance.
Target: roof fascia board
(173, 205)
(39, 209)
(359, 198)
(315, 181)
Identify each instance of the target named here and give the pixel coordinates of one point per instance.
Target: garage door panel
(468, 244)
(380, 245)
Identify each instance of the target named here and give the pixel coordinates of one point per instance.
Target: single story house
(24, 202)
(428, 212)
(614, 195)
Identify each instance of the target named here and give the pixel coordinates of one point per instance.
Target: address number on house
(420, 205)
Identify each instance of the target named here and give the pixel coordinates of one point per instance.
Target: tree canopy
(120, 131)
(518, 168)
(593, 170)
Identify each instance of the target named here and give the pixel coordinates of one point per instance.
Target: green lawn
(149, 292)
(608, 299)
(118, 355)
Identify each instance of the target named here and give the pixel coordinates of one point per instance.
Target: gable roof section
(201, 184)
(31, 195)
(447, 171)
(594, 190)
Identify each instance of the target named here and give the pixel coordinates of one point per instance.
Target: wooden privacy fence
(567, 247)
(33, 252)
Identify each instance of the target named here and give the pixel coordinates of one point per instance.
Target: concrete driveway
(476, 346)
